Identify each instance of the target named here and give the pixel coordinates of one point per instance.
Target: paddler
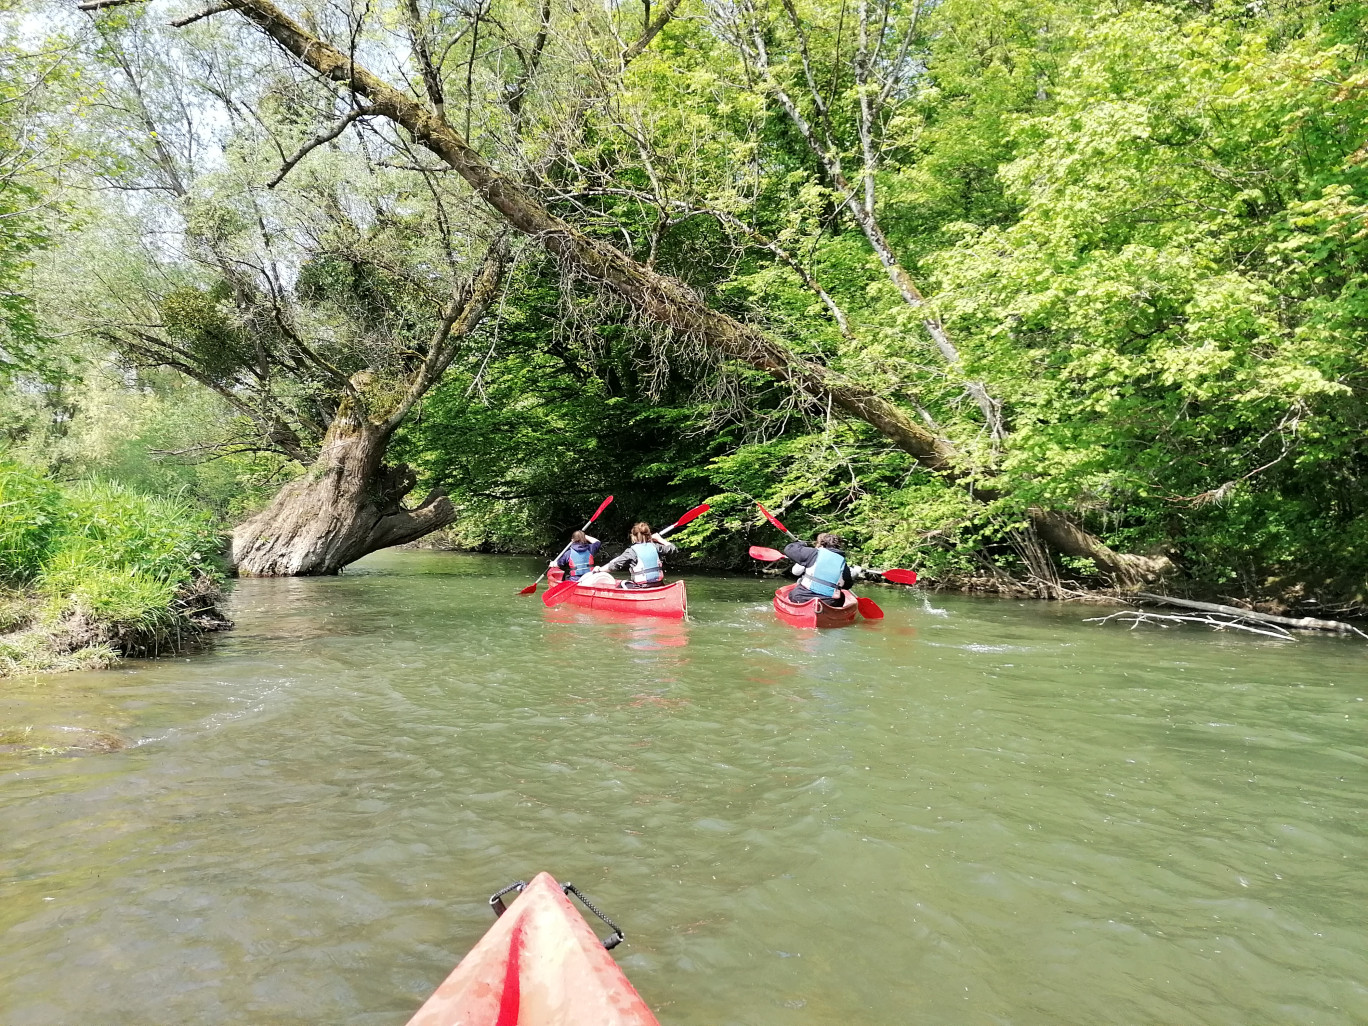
(642, 558)
(823, 569)
(578, 557)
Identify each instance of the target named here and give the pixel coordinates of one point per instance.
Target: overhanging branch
(319, 140)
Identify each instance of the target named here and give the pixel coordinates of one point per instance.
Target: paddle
(775, 521)
(561, 592)
(533, 586)
(895, 576)
(558, 593)
(869, 608)
(687, 518)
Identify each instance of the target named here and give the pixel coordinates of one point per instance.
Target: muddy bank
(38, 636)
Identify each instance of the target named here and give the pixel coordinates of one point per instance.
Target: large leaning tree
(320, 305)
(501, 120)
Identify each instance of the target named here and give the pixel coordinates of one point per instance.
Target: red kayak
(668, 600)
(815, 612)
(539, 965)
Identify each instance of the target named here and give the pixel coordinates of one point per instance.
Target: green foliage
(1146, 229)
(161, 538)
(98, 554)
(202, 320)
(1144, 226)
(30, 518)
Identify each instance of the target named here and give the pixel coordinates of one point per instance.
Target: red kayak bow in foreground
(539, 965)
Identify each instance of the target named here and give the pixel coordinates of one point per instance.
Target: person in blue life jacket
(642, 559)
(822, 569)
(578, 557)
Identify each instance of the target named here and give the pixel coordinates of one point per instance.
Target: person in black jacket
(823, 567)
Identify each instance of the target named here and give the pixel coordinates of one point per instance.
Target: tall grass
(30, 517)
(103, 556)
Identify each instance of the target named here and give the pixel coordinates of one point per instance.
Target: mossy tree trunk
(346, 505)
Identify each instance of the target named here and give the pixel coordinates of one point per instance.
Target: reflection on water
(971, 812)
(639, 632)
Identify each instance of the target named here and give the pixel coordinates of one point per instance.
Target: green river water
(973, 812)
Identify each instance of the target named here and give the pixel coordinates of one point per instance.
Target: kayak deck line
(539, 965)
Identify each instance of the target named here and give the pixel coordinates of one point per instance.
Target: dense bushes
(94, 569)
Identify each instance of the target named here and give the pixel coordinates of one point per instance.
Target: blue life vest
(648, 569)
(824, 576)
(581, 562)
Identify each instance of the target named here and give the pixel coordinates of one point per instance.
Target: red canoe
(539, 965)
(815, 613)
(669, 600)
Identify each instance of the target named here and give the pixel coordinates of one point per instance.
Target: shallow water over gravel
(972, 812)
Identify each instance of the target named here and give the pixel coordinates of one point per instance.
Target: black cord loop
(613, 939)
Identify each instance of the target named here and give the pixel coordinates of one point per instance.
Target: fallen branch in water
(1303, 623)
(1138, 616)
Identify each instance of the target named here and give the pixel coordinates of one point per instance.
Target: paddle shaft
(685, 520)
(775, 521)
(587, 524)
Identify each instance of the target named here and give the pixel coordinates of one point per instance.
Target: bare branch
(432, 80)
(208, 12)
(651, 31)
(1306, 623)
(319, 140)
(530, 61)
(756, 236)
(1135, 617)
(464, 312)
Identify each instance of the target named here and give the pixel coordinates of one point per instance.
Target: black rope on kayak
(496, 901)
(613, 939)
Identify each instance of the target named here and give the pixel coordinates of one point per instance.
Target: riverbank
(40, 636)
(92, 572)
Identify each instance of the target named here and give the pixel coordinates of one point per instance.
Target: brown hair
(577, 537)
(830, 541)
(641, 532)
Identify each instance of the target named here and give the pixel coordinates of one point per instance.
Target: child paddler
(578, 557)
(643, 558)
(823, 568)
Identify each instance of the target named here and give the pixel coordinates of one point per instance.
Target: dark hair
(830, 541)
(577, 537)
(641, 532)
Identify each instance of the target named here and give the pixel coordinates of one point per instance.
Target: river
(972, 812)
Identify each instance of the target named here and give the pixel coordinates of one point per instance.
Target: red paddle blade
(869, 609)
(772, 519)
(690, 516)
(602, 506)
(531, 588)
(765, 555)
(558, 594)
(899, 576)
